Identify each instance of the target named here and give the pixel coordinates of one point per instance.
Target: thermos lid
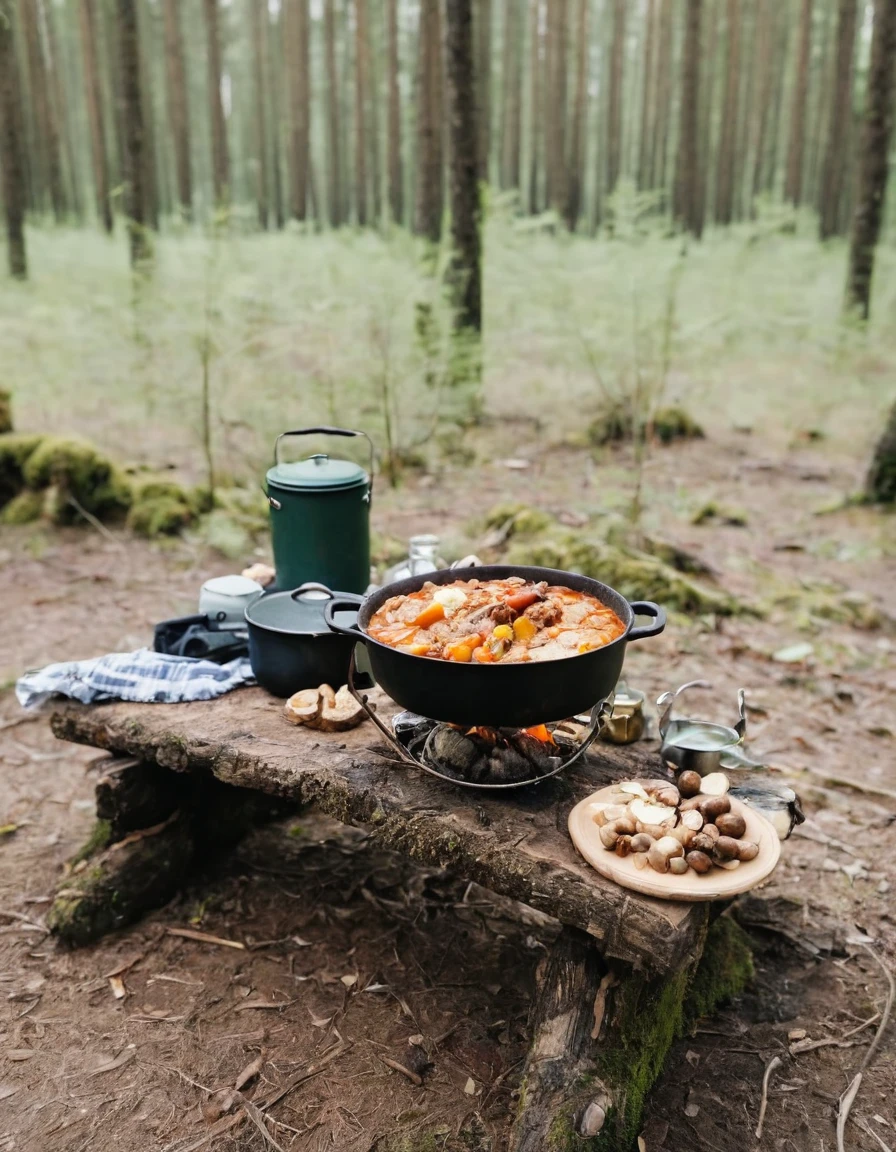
(316, 473)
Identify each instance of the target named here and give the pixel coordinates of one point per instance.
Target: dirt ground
(363, 952)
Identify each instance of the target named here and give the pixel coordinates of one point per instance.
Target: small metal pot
(290, 645)
(224, 600)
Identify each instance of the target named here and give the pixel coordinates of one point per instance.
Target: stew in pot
(486, 621)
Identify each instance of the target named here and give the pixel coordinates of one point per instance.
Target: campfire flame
(493, 736)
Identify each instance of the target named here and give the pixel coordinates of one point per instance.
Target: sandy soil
(363, 949)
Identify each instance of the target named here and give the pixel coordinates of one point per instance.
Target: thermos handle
(328, 430)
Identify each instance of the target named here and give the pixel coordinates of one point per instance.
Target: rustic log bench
(625, 977)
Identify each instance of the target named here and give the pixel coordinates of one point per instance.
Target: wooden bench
(623, 979)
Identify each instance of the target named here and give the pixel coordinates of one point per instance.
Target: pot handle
(343, 600)
(327, 430)
(647, 608)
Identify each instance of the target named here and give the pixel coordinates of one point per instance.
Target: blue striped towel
(143, 677)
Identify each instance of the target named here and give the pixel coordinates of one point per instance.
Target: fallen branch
(204, 937)
(24, 920)
(310, 1072)
(396, 1067)
(846, 1100)
(774, 1063)
(866, 1127)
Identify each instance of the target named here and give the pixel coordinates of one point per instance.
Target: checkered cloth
(143, 677)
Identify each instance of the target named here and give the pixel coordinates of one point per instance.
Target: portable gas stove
(487, 758)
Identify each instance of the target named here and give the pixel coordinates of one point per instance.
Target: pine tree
(464, 272)
(178, 104)
(45, 127)
(220, 156)
(430, 82)
(614, 107)
(576, 166)
(334, 133)
(396, 176)
(12, 149)
(511, 96)
(259, 16)
(797, 143)
(95, 111)
(648, 78)
(294, 16)
(836, 152)
(873, 166)
(134, 138)
(482, 30)
(536, 112)
(689, 203)
(724, 203)
(362, 55)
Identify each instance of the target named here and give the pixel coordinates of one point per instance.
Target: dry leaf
(300, 943)
(118, 989)
(7, 1090)
(120, 1060)
(19, 1053)
(320, 1021)
(470, 1086)
(349, 980)
(250, 1071)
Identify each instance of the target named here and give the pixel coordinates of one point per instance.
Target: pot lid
(299, 613)
(317, 472)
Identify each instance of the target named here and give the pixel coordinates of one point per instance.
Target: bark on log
(132, 794)
(517, 846)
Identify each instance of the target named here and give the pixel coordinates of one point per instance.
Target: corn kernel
(503, 632)
(524, 628)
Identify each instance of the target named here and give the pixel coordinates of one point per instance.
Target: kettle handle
(328, 430)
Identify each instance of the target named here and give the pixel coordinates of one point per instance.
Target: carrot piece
(522, 599)
(430, 615)
(482, 656)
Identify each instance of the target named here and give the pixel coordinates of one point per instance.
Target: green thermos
(320, 517)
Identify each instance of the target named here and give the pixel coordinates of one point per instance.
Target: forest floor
(83, 1070)
(744, 331)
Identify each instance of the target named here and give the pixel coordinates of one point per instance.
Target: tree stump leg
(154, 826)
(601, 1035)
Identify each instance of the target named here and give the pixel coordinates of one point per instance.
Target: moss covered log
(582, 1096)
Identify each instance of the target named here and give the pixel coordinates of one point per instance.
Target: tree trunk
(644, 175)
(259, 16)
(464, 271)
(689, 206)
(334, 140)
(873, 167)
(614, 108)
(396, 176)
(482, 31)
(12, 150)
(818, 89)
(880, 485)
(576, 167)
(511, 96)
(64, 110)
(793, 187)
(765, 75)
(178, 105)
(150, 180)
(46, 130)
(536, 112)
(836, 152)
(724, 204)
(275, 81)
(428, 213)
(134, 160)
(95, 112)
(373, 118)
(663, 95)
(361, 56)
(781, 49)
(555, 106)
(220, 162)
(707, 89)
(745, 108)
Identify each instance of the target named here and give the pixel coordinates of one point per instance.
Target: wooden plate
(714, 885)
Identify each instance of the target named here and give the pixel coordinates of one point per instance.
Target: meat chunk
(545, 613)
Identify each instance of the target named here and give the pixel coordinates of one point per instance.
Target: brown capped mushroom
(303, 707)
(608, 813)
(690, 803)
(714, 807)
(731, 824)
(611, 832)
(689, 783)
(678, 865)
(663, 792)
(747, 850)
(657, 860)
(623, 846)
(683, 835)
(699, 861)
(654, 831)
(641, 842)
(726, 848)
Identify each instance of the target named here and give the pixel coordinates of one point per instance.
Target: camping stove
(487, 758)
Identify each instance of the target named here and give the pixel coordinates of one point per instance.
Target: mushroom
(702, 842)
(654, 831)
(663, 792)
(699, 861)
(670, 846)
(634, 788)
(303, 707)
(641, 842)
(689, 783)
(611, 832)
(683, 835)
(341, 710)
(727, 848)
(731, 824)
(714, 807)
(728, 865)
(715, 784)
(639, 859)
(647, 813)
(747, 850)
(678, 865)
(607, 813)
(657, 860)
(692, 819)
(691, 803)
(662, 851)
(623, 845)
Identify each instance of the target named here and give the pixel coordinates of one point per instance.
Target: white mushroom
(633, 788)
(646, 813)
(715, 784)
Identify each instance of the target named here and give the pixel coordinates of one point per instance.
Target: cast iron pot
(498, 695)
(290, 645)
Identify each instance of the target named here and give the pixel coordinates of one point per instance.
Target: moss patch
(15, 449)
(880, 485)
(673, 423)
(612, 425)
(98, 841)
(79, 474)
(636, 575)
(713, 513)
(517, 520)
(5, 411)
(725, 969)
(25, 508)
(159, 516)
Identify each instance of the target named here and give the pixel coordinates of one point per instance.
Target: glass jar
(423, 556)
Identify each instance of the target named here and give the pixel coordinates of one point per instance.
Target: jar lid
(318, 472)
(238, 586)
